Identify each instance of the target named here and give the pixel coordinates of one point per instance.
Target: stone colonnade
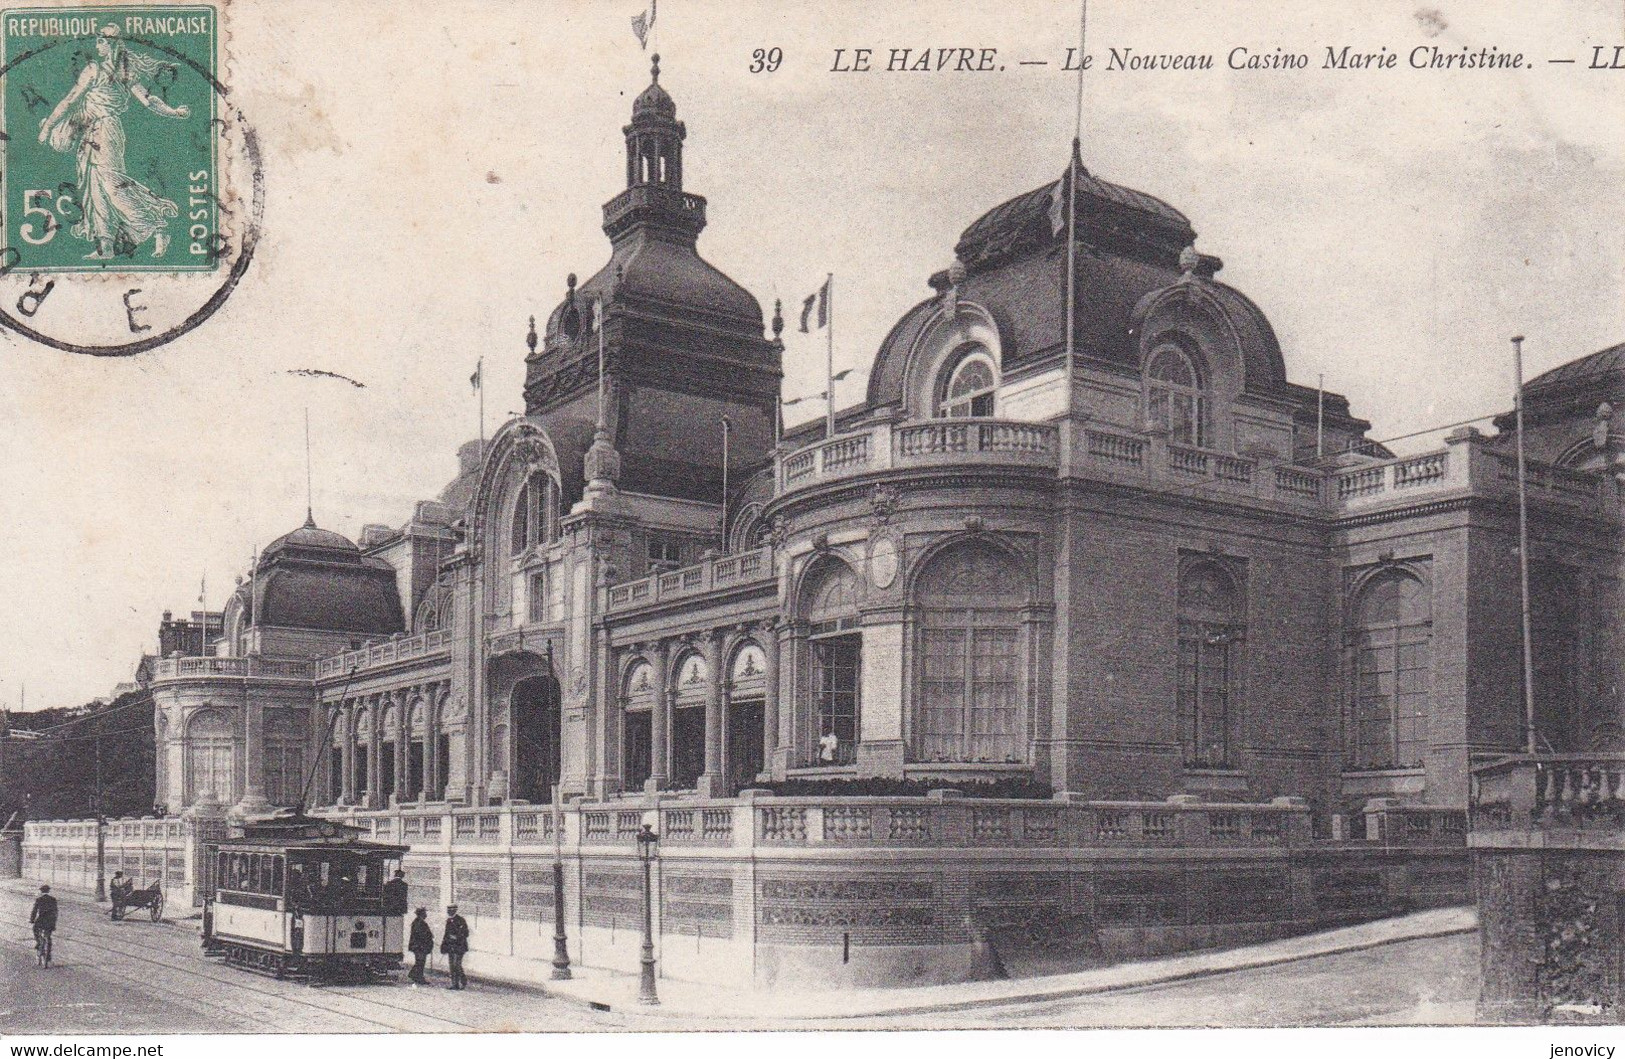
(378, 728)
(668, 658)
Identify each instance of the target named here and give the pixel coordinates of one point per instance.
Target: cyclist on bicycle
(43, 917)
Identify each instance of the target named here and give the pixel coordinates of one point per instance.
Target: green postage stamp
(110, 161)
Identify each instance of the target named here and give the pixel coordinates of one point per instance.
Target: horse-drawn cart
(151, 898)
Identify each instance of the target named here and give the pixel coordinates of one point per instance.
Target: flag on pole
(820, 300)
(474, 379)
(643, 22)
(203, 591)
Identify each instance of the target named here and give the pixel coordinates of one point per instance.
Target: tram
(302, 896)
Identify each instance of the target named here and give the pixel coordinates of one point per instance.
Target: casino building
(1161, 577)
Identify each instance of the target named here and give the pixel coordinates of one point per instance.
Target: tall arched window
(970, 386)
(1392, 679)
(637, 713)
(1175, 398)
(1210, 635)
(210, 748)
(535, 514)
(971, 659)
(836, 645)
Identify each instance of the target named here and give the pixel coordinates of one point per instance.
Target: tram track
(238, 981)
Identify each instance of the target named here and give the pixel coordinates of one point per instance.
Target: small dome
(1116, 217)
(311, 538)
(654, 101)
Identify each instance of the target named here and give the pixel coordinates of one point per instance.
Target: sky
(435, 170)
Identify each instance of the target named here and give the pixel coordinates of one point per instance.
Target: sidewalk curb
(901, 1007)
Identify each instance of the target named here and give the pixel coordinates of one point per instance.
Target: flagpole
(1072, 212)
(310, 502)
(829, 358)
(1523, 551)
(1320, 416)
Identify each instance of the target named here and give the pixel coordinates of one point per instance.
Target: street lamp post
(561, 944)
(101, 824)
(646, 852)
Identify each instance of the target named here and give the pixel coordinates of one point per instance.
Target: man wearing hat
(454, 943)
(420, 944)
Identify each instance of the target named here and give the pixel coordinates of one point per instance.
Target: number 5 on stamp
(110, 160)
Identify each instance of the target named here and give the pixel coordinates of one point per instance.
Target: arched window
(972, 655)
(1392, 679)
(970, 385)
(637, 712)
(1175, 399)
(210, 749)
(1210, 635)
(836, 655)
(535, 515)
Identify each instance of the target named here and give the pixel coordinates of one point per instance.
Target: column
(770, 695)
(375, 753)
(790, 660)
(659, 766)
(712, 781)
(431, 743)
(403, 739)
(346, 751)
(253, 799)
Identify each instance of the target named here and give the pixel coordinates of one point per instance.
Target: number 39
(765, 60)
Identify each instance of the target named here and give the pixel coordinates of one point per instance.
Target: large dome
(313, 578)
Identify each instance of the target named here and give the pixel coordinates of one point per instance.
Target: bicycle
(42, 946)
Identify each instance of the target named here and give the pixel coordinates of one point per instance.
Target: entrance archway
(538, 738)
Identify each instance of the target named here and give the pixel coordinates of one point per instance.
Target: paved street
(137, 976)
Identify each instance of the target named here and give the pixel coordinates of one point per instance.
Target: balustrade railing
(385, 652)
(1574, 792)
(729, 571)
(252, 666)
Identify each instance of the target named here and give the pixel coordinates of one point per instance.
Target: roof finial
(530, 339)
(654, 68)
(778, 317)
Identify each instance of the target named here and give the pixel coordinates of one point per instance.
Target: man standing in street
(454, 943)
(420, 945)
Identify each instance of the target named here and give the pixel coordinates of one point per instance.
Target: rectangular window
(969, 691)
(1204, 692)
(335, 776)
(664, 554)
(1390, 698)
(536, 595)
(836, 671)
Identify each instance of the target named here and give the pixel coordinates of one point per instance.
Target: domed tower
(683, 344)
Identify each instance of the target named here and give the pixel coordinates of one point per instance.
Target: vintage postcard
(698, 516)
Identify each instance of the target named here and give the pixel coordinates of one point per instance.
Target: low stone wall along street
(779, 891)
(63, 853)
